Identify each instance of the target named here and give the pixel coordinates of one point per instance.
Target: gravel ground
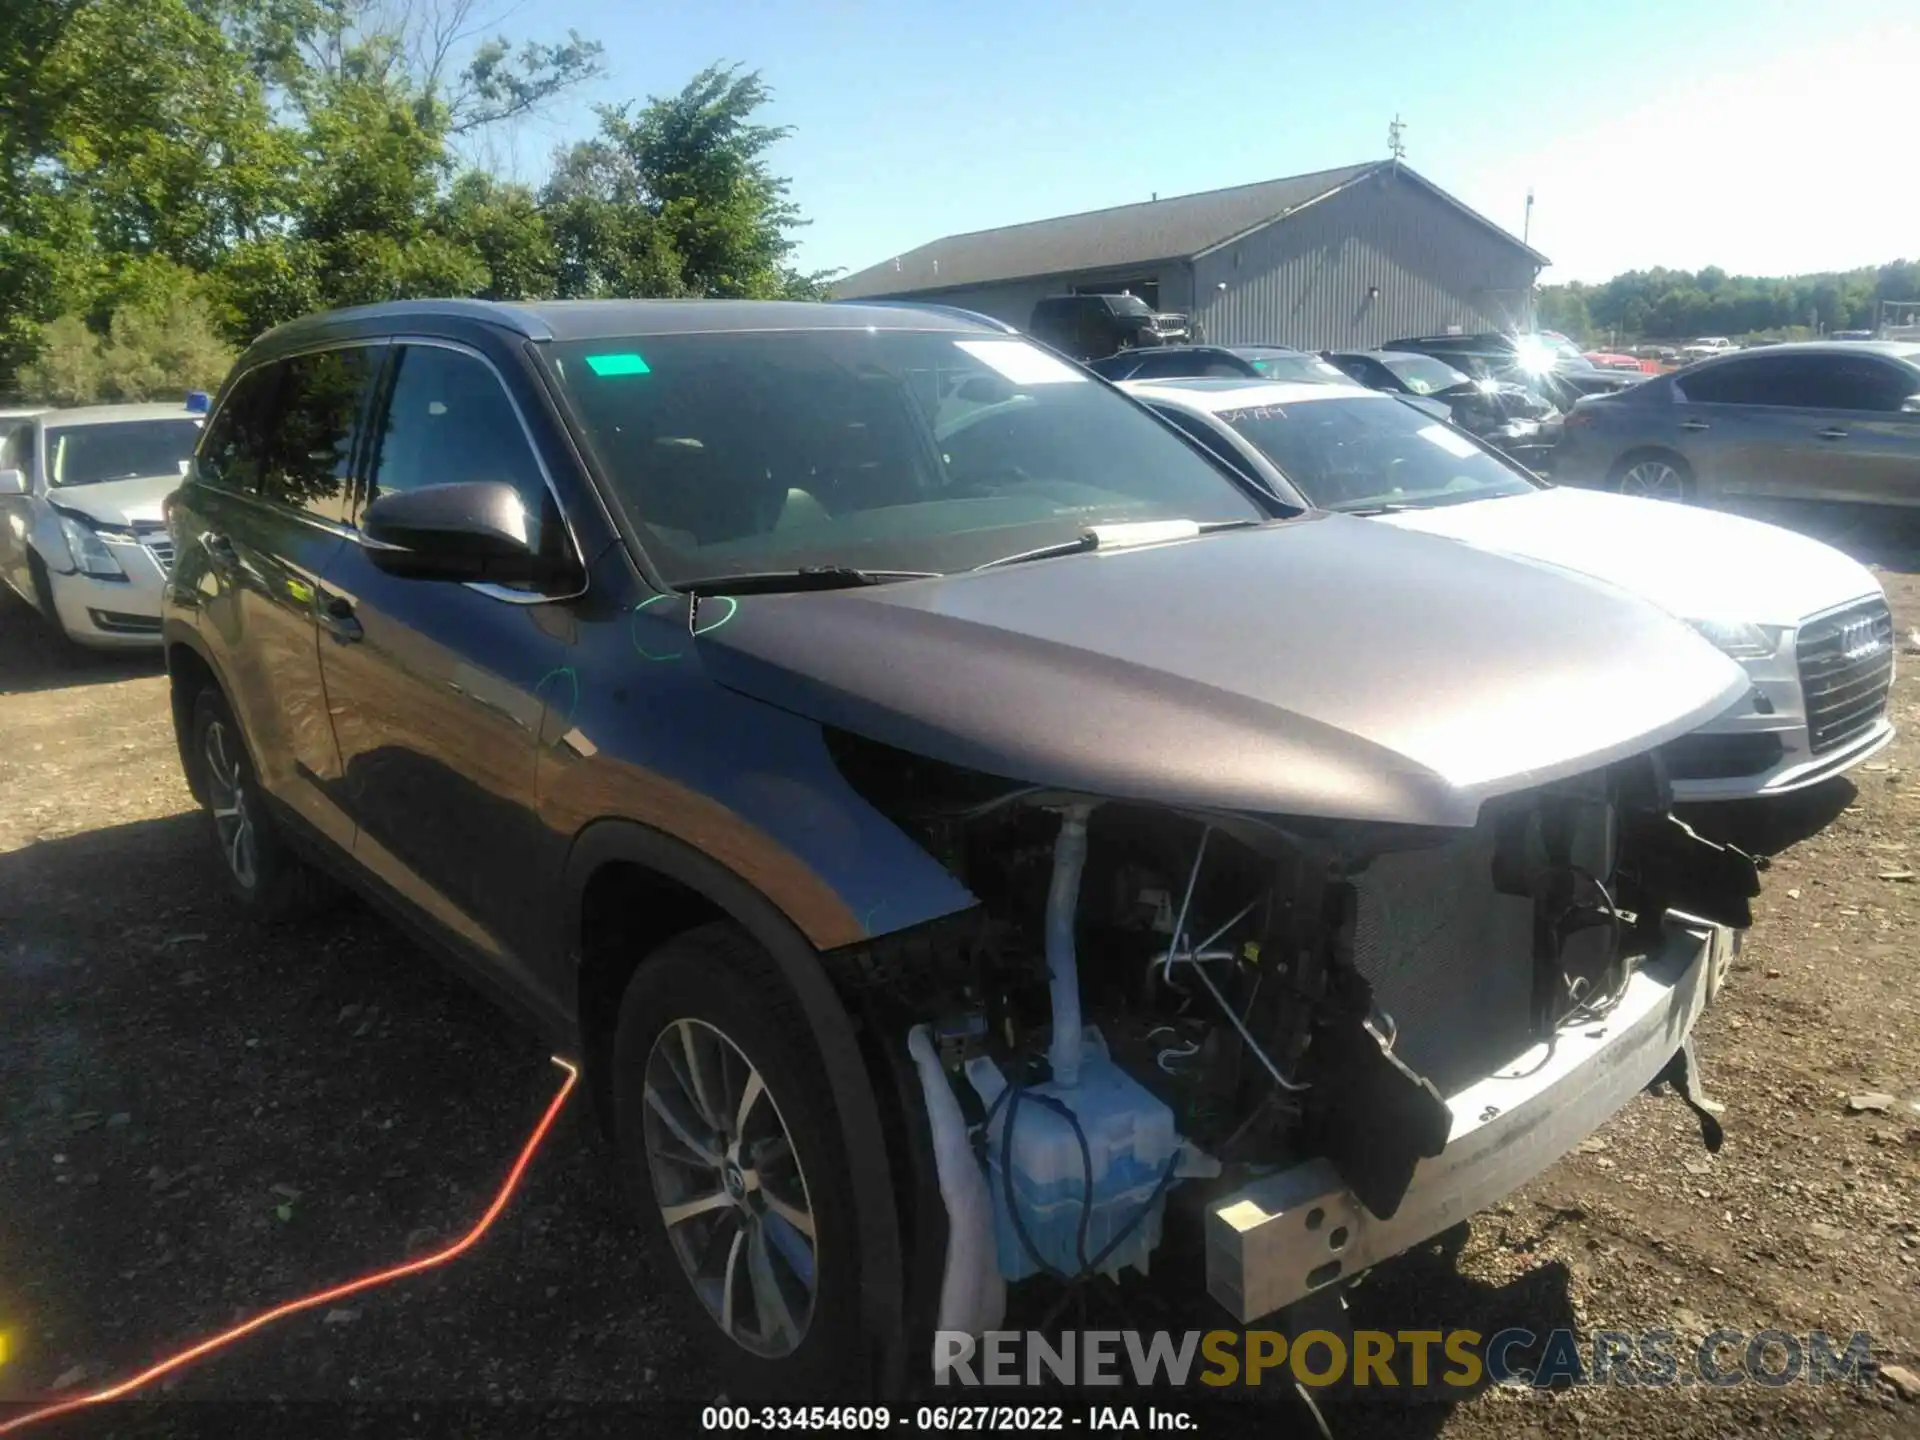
(199, 1116)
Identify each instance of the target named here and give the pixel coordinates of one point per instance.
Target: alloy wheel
(1653, 480)
(227, 798)
(729, 1187)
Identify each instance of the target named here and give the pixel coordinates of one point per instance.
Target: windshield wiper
(1386, 507)
(1119, 537)
(804, 577)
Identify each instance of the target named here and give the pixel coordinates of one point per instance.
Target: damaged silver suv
(972, 842)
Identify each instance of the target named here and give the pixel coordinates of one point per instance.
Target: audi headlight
(90, 554)
(1738, 638)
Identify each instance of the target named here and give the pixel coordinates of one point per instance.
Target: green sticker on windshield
(625, 362)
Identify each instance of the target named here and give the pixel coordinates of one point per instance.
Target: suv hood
(1697, 564)
(123, 503)
(1329, 666)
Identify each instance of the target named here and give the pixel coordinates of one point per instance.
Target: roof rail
(522, 320)
(954, 310)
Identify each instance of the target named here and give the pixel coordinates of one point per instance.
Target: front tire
(262, 873)
(1653, 475)
(731, 1152)
(43, 600)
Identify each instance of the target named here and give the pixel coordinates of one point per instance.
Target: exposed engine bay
(1144, 997)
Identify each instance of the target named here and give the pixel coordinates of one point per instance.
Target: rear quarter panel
(1608, 430)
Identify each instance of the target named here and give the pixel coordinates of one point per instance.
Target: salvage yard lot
(200, 1116)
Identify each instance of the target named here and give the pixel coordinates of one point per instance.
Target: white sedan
(82, 538)
(1811, 626)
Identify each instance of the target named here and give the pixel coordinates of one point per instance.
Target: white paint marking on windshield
(1457, 446)
(1020, 362)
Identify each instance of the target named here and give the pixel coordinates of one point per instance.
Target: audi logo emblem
(1859, 639)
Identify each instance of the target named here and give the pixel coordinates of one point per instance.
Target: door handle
(1832, 432)
(1693, 425)
(337, 619)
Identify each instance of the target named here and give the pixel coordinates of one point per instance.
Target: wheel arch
(189, 671)
(1665, 453)
(614, 869)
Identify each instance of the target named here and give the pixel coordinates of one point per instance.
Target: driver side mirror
(13, 482)
(475, 531)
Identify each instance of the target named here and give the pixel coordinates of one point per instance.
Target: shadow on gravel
(201, 1116)
(1424, 1290)
(33, 656)
(1420, 1291)
(49, 876)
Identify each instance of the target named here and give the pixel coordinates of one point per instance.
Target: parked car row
(1508, 390)
(1507, 415)
(881, 751)
(1824, 421)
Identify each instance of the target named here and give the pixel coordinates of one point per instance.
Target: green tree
(136, 145)
(376, 160)
(438, 50)
(1674, 304)
(1564, 308)
(157, 349)
(684, 183)
(241, 162)
(143, 108)
(607, 238)
(503, 225)
(265, 282)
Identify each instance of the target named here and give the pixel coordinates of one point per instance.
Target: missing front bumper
(1289, 1234)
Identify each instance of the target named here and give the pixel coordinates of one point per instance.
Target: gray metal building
(1342, 258)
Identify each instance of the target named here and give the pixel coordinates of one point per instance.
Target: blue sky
(1762, 137)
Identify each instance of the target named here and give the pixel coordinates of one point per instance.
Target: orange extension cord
(321, 1297)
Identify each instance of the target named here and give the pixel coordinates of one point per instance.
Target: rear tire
(262, 872)
(1653, 475)
(732, 1155)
